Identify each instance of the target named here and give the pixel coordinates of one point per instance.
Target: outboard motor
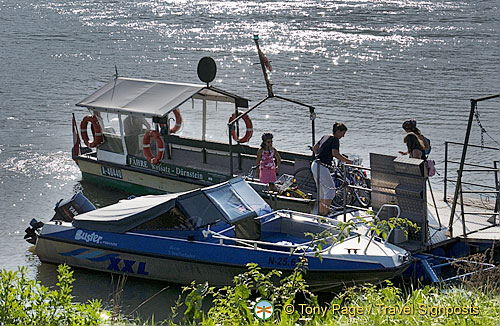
(67, 209)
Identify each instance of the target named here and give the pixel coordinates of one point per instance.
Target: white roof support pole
(204, 121)
(122, 136)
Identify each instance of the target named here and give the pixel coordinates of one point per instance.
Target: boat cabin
(136, 147)
(233, 202)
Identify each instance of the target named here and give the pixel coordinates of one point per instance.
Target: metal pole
(230, 153)
(445, 170)
(345, 193)
(460, 169)
(497, 186)
(262, 65)
(318, 185)
(463, 213)
(434, 201)
(312, 116)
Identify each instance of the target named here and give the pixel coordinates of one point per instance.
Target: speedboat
(211, 234)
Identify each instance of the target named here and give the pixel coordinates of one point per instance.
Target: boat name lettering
(88, 237)
(282, 261)
(177, 170)
(111, 172)
(127, 266)
(138, 162)
(189, 174)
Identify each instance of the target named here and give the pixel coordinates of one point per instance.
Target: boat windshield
(237, 201)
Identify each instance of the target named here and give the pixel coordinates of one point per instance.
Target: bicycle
(286, 185)
(355, 177)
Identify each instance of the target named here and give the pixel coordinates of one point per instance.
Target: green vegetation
(474, 302)
(27, 302)
(362, 305)
(477, 302)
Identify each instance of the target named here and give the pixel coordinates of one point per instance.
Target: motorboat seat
(249, 229)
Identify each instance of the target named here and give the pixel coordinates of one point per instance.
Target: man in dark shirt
(326, 149)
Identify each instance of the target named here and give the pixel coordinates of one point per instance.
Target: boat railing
(431, 269)
(251, 243)
(376, 218)
(474, 189)
(459, 182)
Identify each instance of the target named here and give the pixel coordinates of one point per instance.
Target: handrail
(425, 257)
(472, 145)
(284, 214)
(376, 219)
(458, 186)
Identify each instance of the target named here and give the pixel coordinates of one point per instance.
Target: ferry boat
(130, 140)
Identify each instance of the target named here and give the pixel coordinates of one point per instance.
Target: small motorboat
(210, 234)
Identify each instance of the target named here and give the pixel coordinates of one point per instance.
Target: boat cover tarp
(126, 214)
(232, 201)
(150, 98)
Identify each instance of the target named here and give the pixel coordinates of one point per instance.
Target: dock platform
(481, 227)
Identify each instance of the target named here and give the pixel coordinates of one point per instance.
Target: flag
(264, 60)
(76, 140)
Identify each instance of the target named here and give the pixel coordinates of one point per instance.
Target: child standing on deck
(266, 156)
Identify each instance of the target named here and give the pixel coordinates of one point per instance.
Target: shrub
(27, 302)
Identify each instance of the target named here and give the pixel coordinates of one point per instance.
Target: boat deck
(480, 227)
(481, 222)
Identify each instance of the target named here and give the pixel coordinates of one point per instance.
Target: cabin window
(230, 203)
(110, 124)
(200, 209)
(173, 219)
(134, 128)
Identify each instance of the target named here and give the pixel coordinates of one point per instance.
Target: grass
(475, 301)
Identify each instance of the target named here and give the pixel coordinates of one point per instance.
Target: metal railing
(484, 189)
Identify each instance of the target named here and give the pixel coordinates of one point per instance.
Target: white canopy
(151, 98)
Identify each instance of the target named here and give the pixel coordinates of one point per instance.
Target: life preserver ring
(96, 130)
(248, 125)
(160, 147)
(178, 121)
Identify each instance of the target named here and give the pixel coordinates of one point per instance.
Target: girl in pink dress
(266, 156)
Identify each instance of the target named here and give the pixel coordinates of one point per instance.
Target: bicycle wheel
(303, 178)
(338, 199)
(362, 196)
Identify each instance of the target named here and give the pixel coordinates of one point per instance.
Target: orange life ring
(178, 121)
(160, 147)
(96, 130)
(248, 125)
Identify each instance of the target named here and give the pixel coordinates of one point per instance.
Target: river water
(370, 64)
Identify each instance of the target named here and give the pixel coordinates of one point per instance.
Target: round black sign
(207, 69)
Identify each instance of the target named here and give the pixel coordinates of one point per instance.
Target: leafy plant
(232, 305)
(27, 302)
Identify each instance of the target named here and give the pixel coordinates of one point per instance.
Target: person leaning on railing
(410, 126)
(325, 150)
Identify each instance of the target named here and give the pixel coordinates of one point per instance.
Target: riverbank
(255, 300)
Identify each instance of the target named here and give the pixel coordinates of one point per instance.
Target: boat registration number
(111, 172)
(283, 261)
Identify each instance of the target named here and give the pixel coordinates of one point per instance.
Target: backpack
(428, 151)
(430, 167)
